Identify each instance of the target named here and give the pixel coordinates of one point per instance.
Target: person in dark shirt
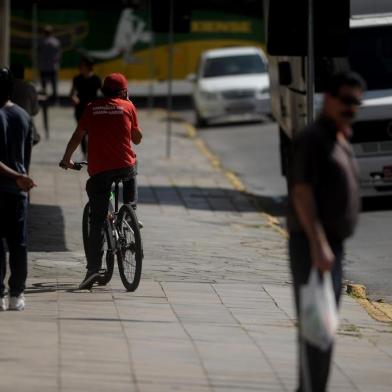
(25, 95)
(323, 207)
(15, 152)
(85, 87)
(49, 58)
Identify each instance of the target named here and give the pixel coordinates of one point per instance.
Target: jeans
(98, 189)
(313, 362)
(51, 77)
(13, 229)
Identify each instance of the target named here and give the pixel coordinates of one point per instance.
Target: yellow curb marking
(384, 308)
(190, 130)
(356, 290)
(207, 153)
(377, 310)
(234, 180)
(275, 224)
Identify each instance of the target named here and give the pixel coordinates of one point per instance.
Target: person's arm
(34, 100)
(73, 94)
(136, 133)
(305, 207)
(23, 181)
(28, 145)
(72, 145)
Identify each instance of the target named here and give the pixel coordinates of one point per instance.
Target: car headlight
(208, 95)
(261, 92)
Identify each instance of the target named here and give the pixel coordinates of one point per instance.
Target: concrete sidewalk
(213, 311)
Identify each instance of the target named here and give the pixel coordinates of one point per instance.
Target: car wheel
(200, 121)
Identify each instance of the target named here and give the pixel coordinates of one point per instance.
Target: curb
(379, 311)
(234, 180)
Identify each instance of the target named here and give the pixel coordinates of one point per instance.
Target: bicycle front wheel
(130, 256)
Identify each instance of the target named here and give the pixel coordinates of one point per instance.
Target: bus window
(371, 55)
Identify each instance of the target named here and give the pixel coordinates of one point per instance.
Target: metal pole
(169, 81)
(34, 43)
(310, 64)
(5, 6)
(151, 68)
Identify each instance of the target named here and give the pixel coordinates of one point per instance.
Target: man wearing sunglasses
(323, 206)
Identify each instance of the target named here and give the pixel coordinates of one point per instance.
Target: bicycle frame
(111, 229)
(121, 237)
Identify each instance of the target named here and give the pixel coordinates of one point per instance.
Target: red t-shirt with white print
(109, 123)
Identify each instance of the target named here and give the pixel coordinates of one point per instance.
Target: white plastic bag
(319, 317)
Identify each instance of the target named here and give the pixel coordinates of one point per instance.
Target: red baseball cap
(115, 82)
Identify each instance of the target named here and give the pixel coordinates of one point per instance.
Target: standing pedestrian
(15, 150)
(85, 87)
(25, 95)
(49, 57)
(324, 206)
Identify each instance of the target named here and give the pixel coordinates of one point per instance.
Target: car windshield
(233, 65)
(371, 55)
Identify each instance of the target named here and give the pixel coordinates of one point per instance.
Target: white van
(231, 84)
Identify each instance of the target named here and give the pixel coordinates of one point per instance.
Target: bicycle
(122, 239)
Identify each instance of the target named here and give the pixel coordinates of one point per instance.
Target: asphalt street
(251, 152)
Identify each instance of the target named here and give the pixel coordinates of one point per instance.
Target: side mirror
(191, 78)
(285, 77)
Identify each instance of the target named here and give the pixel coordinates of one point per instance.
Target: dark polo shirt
(327, 165)
(15, 144)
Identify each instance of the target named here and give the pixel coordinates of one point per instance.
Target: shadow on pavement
(46, 229)
(380, 203)
(216, 199)
(72, 287)
(97, 319)
(50, 287)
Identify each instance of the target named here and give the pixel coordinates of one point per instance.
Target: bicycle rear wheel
(130, 256)
(107, 255)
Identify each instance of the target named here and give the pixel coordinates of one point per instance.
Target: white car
(231, 84)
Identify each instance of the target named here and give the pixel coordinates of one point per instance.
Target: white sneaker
(3, 305)
(17, 303)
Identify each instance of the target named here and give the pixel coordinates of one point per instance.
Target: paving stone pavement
(214, 308)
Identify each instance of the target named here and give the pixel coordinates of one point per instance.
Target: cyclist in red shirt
(112, 126)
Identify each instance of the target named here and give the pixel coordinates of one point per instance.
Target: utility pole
(170, 79)
(5, 6)
(34, 43)
(310, 64)
(151, 66)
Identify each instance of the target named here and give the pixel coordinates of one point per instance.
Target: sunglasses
(349, 100)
